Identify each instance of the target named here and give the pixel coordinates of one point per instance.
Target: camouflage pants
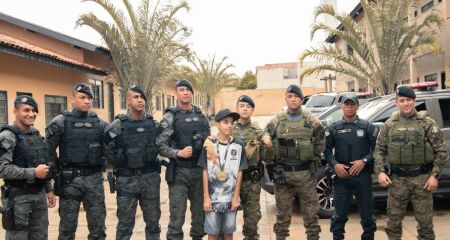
(88, 190)
(30, 211)
(187, 185)
(145, 190)
(250, 194)
(401, 191)
(304, 184)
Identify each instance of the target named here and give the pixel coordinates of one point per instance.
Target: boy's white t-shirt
(221, 193)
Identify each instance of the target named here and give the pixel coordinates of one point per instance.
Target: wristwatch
(365, 160)
(436, 175)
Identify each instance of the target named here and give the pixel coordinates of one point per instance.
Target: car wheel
(325, 192)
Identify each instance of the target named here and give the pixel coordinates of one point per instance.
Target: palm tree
(380, 58)
(210, 76)
(145, 45)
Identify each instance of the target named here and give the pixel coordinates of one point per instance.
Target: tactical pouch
(151, 154)
(58, 186)
(278, 175)
(95, 154)
(135, 157)
(305, 151)
(394, 153)
(8, 218)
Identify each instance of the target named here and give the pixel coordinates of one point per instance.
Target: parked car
(321, 102)
(377, 111)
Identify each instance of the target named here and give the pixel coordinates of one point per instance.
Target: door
(111, 102)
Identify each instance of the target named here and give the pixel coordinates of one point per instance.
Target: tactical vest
(136, 143)
(249, 136)
(29, 152)
(408, 145)
(294, 141)
(80, 144)
(191, 129)
(351, 143)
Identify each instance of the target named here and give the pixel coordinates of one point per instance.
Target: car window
(320, 101)
(334, 116)
(420, 106)
(445, 111)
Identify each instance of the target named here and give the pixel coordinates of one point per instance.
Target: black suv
(377, 111)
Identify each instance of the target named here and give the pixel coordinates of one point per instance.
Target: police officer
(411, 146)
(185, 129)
(131, 149)
(79, 134)
(24, 166)
(253, 138)
(299, 139)
(353, 140)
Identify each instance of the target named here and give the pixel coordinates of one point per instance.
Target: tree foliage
(145, 43)
(248, 81)
(380, 58)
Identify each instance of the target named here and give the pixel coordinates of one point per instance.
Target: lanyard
(226, 153)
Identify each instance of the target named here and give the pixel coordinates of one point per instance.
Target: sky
(249, 32)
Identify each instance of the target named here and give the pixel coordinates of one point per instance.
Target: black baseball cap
(226, 113)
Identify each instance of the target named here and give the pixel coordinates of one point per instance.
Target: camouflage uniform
(187, 182)
(84, 183)
(301, 182)
(135, 184)
(410, 188)
(251, 135)
(30, 206)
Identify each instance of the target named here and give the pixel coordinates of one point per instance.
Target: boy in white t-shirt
(222, 160)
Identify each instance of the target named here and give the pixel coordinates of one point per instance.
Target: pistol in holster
(8, 221)
(112, 181)
(170, 170)
(278, 175)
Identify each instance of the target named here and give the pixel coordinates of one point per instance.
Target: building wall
(267, 101)
(272, 76)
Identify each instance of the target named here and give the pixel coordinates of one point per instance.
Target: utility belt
(80, 172)
(126, 172)
(32, 188)
(26, 189)
(254, 173)
(187, 163)
(410, 172)
(298, 167)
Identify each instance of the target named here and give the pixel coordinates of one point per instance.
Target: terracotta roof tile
(29, 47)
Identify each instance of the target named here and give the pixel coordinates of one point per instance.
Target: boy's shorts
(217, 221)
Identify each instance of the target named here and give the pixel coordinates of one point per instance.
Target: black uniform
(352, 141)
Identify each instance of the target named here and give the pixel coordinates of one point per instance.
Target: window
(349, 50)
(335, 116)
(3, 108)
(405, 81)
(431, 77)
(427, 6)
(173, 101)
(445, 111)
(158, 102)
(289, 73)
(123, 101)
(163, 102)
(97, 88)
(24, 93)
(54, 105)
(169, 104)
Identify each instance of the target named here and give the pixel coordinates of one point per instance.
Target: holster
(58, 186)
(170, 170)
(271, 171)
(278, 175)
(112, 182)
(8, 210)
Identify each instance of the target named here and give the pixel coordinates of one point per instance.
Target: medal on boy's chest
(222, 176)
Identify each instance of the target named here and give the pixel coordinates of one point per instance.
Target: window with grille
(97, 89)
(431, 77)
(427, 6)
(54, 105)
(3, 108)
